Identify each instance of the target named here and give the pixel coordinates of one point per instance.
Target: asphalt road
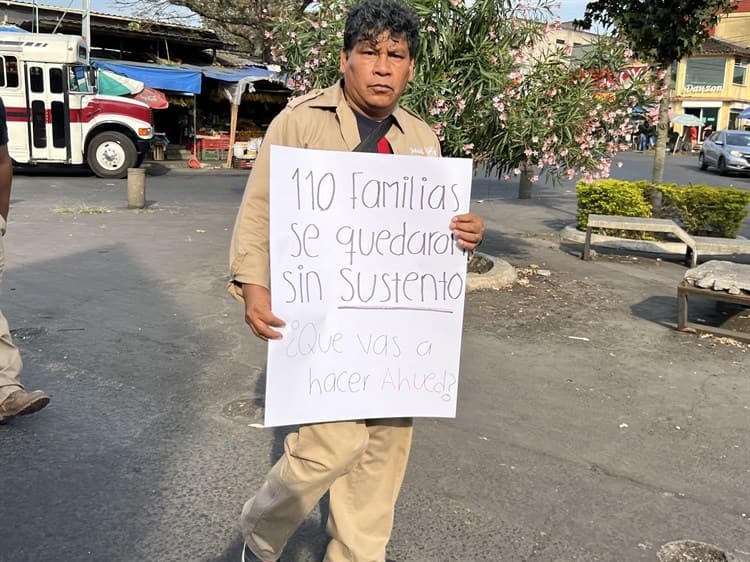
(588, 428)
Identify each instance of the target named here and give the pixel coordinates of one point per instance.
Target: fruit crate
(213, 154)
(218, 143)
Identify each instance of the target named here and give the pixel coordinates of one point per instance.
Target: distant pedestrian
(14, 400)
(642, 136)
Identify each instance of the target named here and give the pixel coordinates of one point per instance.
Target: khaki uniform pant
(10, 359)
(362, 463)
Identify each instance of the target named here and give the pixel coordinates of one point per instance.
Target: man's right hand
(258, 313)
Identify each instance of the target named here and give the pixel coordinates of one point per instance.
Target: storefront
(713, 86)
(210, 109)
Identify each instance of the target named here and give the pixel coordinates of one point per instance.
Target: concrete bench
(640, 224)
(695, 245)
(716, 280)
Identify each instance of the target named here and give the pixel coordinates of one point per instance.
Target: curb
(501, 276)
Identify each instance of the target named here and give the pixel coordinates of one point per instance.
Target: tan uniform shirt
(321, 120)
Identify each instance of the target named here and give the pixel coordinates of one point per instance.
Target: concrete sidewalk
(588, 427)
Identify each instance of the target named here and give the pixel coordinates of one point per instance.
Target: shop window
(55, 80)
(705, 74)
(9, 72)
(36, 79)
(740, 71)
(733, 118)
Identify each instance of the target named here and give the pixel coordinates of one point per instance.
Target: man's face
(376, 73)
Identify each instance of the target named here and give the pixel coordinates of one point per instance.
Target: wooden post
(682, 312)
(232, 133)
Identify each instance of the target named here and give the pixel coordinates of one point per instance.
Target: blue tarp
(157, 76)
(238, 74)
(11, 27)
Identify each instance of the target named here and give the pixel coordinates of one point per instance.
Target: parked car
(728, 151)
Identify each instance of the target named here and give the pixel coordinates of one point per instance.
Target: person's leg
(313, 459)
(362, 501)
(10, 358)
(10, 362)
(14, 400)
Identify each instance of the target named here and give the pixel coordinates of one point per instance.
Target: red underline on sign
(413, 308)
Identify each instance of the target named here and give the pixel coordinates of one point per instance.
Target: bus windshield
(79, 79)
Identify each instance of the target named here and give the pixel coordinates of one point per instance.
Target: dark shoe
(248, 556)
(21, 403)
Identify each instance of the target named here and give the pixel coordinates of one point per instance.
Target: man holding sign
(361, 462)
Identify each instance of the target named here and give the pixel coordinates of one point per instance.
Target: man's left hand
(468, 230)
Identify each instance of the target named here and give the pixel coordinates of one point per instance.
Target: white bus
(54, 114)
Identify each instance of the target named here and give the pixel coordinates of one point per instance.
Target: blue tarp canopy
(157, 76)
(238, 74)
(187, 77)
(234, 82)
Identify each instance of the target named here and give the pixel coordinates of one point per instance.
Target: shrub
(701, 210)
(611, 197)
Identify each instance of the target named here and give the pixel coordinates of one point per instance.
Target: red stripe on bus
(87, 114)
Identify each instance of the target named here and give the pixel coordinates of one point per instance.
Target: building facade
(714, 85)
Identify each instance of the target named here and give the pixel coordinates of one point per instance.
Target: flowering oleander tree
(487, 87)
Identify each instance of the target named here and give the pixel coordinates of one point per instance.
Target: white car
(728, 151)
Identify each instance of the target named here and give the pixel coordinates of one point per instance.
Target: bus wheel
(110, 155)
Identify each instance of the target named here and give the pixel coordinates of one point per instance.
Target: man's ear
(411, 70)
(344, 58)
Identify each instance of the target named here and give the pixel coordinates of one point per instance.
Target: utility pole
(86, 27)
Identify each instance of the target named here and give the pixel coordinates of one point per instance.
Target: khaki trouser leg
(313, 459)
(10, 359)
(363, 500)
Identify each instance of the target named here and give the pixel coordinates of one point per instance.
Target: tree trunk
(525, 186)
(662, 134)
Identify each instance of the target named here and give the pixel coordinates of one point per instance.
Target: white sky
(570, 8)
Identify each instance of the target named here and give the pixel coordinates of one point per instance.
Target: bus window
(78, 78)
(58, 124)
(11, 72)
(55, 80)
(39, 123)
(36, 79)
(8, 72)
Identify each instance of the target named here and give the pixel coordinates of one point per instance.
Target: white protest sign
(370, 282)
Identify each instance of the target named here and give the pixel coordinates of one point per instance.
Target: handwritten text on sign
(370, 281)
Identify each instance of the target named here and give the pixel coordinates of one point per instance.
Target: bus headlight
(144, 132)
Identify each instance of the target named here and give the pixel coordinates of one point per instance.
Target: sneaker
(248, 555)
(21, 403)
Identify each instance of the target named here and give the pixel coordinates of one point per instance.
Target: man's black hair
(368, 19)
